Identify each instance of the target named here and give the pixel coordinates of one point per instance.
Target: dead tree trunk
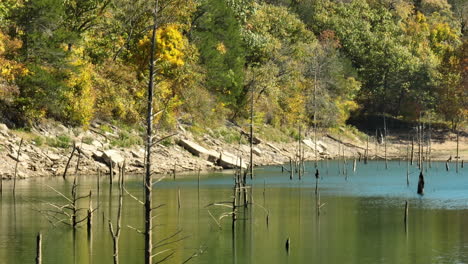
(300, 154)
(69, 159)
(79, 158)
(291, 172)
(111, 172)
(16, 166)
(458, 154)
(367, 150)
(89, 222)
(385, 143)
(149, 142)
(251, 131)
(407, 166)
(178, 199)
(412, 150)
(405, 219)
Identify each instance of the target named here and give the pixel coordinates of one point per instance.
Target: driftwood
(345, 143)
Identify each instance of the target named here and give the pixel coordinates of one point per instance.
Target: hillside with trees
(302, 62)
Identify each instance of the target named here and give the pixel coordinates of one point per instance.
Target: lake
(360, 221)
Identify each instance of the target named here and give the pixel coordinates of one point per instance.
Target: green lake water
(361, 220)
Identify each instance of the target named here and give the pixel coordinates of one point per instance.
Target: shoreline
(187, 153)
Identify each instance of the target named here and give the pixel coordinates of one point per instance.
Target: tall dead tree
(385, 141)
(116, 233)
(407, 166)
(16, 166)
(68, 162)
(251, 131)
(458, 154)
(148, 184)
(367, 150)
(70, 212)
(412, 150)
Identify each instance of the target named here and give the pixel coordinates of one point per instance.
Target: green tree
(218, 37)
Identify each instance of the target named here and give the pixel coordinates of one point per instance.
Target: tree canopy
(308, 62)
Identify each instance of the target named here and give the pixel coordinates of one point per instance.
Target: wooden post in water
(407, 166)
(178, 199)
(354, 165)
(16, 166)
(89, 222)
(405, 220)
(111, 171)
(412, 150)
(385, 142)
(174, 170)
(69, 159)
(299, 154)
(39, 248)
(291, 172)
(198, 178)
(317, 176)
(367, 150)
(98, 181)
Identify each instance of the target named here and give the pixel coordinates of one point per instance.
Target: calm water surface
(361, 220)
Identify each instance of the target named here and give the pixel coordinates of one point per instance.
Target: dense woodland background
(303, 61)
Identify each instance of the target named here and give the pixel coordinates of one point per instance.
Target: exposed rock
(97, 156)
(276, 150)
(256, 151)
(137, 163)
(137, 154)
(230, 161)
(87, 149)
(3, 128)
(112, 156)
(61, 129)
(97, 144)
(255, 141)
(22, 157)
(53, 157)
(198, 150)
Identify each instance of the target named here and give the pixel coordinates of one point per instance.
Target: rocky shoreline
(186, 152)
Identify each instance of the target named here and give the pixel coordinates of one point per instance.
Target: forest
(300, 61)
